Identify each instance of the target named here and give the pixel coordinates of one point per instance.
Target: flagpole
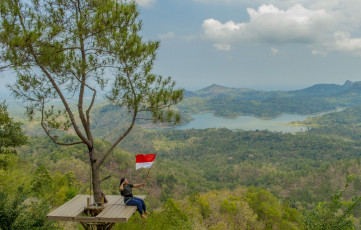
(147, 176)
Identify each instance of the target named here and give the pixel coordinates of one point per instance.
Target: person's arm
(121, 188)
(138, 185)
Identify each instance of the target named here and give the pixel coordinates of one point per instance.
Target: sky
(258, 44)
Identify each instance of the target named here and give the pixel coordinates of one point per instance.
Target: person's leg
(142, 202)
(134, 202)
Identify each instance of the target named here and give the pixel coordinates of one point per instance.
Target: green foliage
(301, 168)
(344, 124)
(11, 134)
(333, 214)
(170, 217)
(19, 207)
(270, 210)
(349, 116)
(239, 209)
(42, 181)
(204, 207)
(22, 212)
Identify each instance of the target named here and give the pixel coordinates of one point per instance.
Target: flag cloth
(144, 161)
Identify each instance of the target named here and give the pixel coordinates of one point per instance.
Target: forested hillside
(204, 186)
(343, 124)
(211, 176)
(203, 178)
(232, 102)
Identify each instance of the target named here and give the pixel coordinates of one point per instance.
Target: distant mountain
(322, 90)
(355, 87)
(218, 90)
(325, 90)
(188, 93)
(233, 102)
(319, 90)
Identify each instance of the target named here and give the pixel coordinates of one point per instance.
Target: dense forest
(212, 178)
(343, 124)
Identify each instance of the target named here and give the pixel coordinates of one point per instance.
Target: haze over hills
(233, 102)
(215, 90)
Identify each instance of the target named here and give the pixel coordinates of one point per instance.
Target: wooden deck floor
(114, 212)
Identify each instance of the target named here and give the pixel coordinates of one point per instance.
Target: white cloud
(322, 25)
(344, 42)
(296, 24)
(319, 52)
(228, 32)
(274, 51)
(168, 35)
(270, 24)
(145, 3)
(224, 47)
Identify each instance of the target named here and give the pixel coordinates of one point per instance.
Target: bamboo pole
(147, 176)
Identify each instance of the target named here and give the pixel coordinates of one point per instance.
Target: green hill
(215, 178)
(219, 165)
(344, 124)
(232, 102)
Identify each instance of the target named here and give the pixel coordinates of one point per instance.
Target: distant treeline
(230, 102)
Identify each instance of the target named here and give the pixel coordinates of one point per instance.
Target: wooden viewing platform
(114, 211)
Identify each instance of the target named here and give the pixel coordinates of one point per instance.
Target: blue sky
(261, 44)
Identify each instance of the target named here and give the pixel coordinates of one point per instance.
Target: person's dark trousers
(135, 201)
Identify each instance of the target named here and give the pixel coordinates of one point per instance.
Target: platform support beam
(97, 226)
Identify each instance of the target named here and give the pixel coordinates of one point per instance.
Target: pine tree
(61, 49)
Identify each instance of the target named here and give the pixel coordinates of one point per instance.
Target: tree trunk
(96, 182)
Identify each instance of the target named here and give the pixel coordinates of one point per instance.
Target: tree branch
(48, 133)
(77, 130)
(84, 121)
(2, 68)
(106, 154)
(93, 98)
(105, 178)
(91, 104)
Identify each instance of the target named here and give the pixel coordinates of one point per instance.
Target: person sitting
(126, 191)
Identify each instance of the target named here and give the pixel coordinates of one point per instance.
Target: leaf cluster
(11, 134)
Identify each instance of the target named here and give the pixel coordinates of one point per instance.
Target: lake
(208, 120)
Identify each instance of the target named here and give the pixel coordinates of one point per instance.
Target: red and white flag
(144, 161)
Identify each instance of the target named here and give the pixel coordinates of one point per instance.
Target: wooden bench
(114, 211)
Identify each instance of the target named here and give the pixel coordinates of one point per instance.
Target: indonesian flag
(144, 161)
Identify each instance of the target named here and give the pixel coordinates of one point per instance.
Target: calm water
(208, 120)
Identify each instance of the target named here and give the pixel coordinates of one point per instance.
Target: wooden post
(147, 176)
(102, 201)
(88, 205)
